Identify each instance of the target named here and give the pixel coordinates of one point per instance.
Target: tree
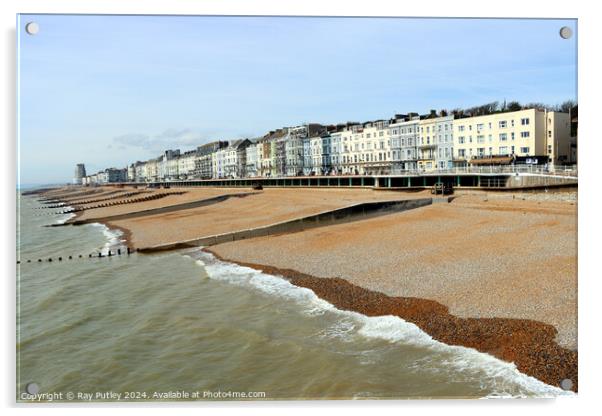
(514, 106)
(537, 106)
(566, 106)
(457, 112)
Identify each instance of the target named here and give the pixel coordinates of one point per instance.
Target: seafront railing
(568, 172)
(551, 170)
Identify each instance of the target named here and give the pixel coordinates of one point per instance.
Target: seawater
(184, 325)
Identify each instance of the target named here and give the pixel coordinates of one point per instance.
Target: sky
(110, 90)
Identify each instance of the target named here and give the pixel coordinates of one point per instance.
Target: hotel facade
(514, 135)
(404, 143)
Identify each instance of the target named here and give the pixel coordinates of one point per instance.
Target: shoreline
(529, 344)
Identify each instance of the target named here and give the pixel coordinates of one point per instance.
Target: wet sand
(529, 344)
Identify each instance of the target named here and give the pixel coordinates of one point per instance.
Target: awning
(494, 160)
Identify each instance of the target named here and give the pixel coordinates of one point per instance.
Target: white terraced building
(405, 133)
(251, 160)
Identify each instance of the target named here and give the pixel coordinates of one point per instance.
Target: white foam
(389, 328)
(113, 236)
(67, 216)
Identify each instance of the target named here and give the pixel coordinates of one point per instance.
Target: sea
(186, 326)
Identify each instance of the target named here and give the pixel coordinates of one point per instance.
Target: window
(480, 139)
(524, 134)
(503, 124)
(549, 133)
(481, 151)
(512, 123)
(526, 149)
(524, 121)
(503, 137)
(549, 149)
(480, 127)
(461, 152)
(460, 128)
(503, 150)
(490, 138)
(461, 139)
(512, 136)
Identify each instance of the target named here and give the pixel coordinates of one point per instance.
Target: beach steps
(349, 213)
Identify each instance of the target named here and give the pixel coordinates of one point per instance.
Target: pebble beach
(491, 271)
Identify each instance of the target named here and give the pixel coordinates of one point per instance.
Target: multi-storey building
(316, 150)
(335, 151)
(279, 153)
(251, 160)
(219, 164)
(504, 137)
(560, 144)
(140, 171)
(435, 146)
(166, 169)
(366, 148)
(152, 170)
(307, 162)
(187, 164)
(131, 173)
(171, 170)
(80, 173)
(109, 175)
(267, 154)
(235, 158)
(294, 150)
(405, 134)
(298, 148)
(204, 161)
(350, 148)
(375, 148)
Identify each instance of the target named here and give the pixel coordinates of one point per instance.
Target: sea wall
(346, 214)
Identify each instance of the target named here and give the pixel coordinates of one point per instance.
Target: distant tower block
(80, 173)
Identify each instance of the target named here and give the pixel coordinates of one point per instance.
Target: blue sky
(110, 90)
